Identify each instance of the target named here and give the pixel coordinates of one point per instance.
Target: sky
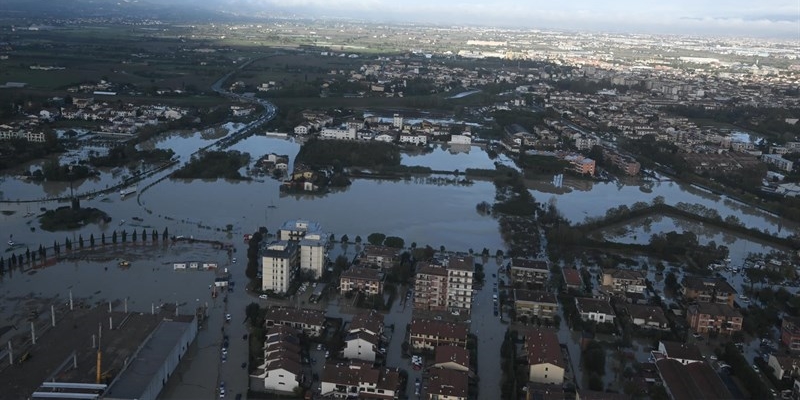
(757, 18)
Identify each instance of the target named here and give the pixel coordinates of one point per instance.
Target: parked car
(263, 297)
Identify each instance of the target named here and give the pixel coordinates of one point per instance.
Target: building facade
(279, 263)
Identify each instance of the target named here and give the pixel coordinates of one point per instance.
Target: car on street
(233, 260)
(227, 317)
(319, 346)
(263, 297)
(755, 368)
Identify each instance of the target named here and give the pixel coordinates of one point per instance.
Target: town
(276, 207)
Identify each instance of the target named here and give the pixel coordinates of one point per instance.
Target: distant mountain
(166, 10)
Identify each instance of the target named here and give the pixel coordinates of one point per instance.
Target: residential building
(596, 310)
(361, 380)
(545, 358)
(784, 366)
(790, 332)
(279, 263)
(684, 353)
(430, 285)
(302, 129)
(370, 322)
(539, 304)
(460, 271)
(714, 317)
(341, 133)
(361, 346)
(366, 280)
(379, 256)
(429, 334)
(529, 273)
(778, 162)
(692, 381)
(452, 357)
(414, 138)
(297, 229)
(397, 122)
(281, 370)
(542, 391)
(581, 165)
(708, 290)
(650, 317)
(572, 278)
(447, 384)
(624, 280)
(314, 254)
(310, 322)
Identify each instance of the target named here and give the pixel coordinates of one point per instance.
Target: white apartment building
(279, 263)
(314, 253)
(460, 271)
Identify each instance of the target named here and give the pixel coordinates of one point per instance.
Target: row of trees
(30, 257)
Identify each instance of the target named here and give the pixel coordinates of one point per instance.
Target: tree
(332, 238)
(376, 239)
(251, 313)
(91, 239)
(103, 238)
(124, 236)
(394, 242)
(114, 237)
(358, 239)
(345, 239)
(134, 236)
(144, 235)
(80, 241)
(165, 235)
(154, 235)
(671, 281)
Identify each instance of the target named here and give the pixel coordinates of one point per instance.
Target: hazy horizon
(767, 18)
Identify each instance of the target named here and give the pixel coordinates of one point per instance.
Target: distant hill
(59, 9)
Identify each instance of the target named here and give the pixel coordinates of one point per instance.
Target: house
(414, 138)
(361, 346)
(649, 317)
(692, 381)
(714, 317)
(281, 370)
(596, 310)
(370, 322)
(338, 133)
(452, 357)
(302, 129)
(430, 283)
(708, 290)
(366, 280)
(529, 273)
(684, 353)
(778, 162)
(784, 366)
(380, 256)
(428, 333)
(310, 322)
(624, 280)
(447, 384)
(544, 357)
(279, 263)
(361, 380)
(572, 278)
(537, 304)
(790, 332)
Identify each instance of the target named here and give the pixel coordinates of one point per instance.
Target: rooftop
(448, 382)
(298, 315)
(624, 274)
(543, 347)
(534, 296)
(371, 321)
(647, 313)
(427, 268)
(715, 309)
(594, 305)
(362, 273)
(572, 277)
(692, 381)
(707, 284)
(455, 354)
(683, 351)
(529, 264)
(423, 326)
(461, 263)
(134, 380)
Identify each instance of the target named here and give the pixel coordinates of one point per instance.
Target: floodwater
(423, 210)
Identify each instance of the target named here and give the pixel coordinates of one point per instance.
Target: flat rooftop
(133, 382)
(51, 357)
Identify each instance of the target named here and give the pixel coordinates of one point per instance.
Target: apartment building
(539, 304)
(430, 285)
(310, 322)
(359, 380)
(545, 358)
(624, 281)
(279, 264)
(718, 318)
(708, 290)
(790, 332)
(529, 273)
(366, 280)
(460, 271)
(428, 333)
